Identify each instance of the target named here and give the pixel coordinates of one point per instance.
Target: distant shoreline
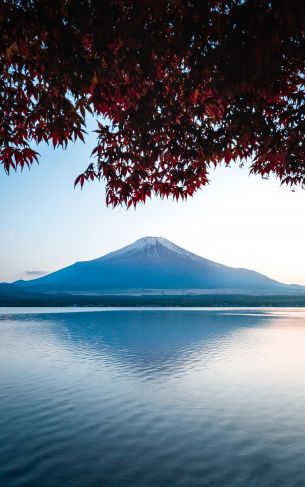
(192, 301)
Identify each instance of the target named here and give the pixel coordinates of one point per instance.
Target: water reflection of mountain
(154, 340)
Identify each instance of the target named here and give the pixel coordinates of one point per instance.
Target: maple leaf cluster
(176, 86)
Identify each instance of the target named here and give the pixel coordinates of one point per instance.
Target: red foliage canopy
(177, 85)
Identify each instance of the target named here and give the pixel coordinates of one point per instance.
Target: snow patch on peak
(145, 242)
(151, 246)
(151, 241)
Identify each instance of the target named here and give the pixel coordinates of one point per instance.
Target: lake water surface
(160, 398)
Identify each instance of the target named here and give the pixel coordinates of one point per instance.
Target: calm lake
(159, 398)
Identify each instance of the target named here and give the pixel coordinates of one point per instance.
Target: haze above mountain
(154, 264)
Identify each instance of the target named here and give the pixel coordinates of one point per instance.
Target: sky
(238, 220)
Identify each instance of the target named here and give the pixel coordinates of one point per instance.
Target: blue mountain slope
(151, 263)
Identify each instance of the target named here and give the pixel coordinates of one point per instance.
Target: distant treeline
(151, 300)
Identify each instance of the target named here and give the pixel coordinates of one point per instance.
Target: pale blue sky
(238, 220)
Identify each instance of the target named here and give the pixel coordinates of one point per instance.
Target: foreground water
(152, 398)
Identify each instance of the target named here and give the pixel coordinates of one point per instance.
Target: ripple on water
(153, 398)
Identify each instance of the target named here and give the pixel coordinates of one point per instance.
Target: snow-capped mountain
(154, 264)
(153, 248)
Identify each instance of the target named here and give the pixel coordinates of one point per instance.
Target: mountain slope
(151, 263)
